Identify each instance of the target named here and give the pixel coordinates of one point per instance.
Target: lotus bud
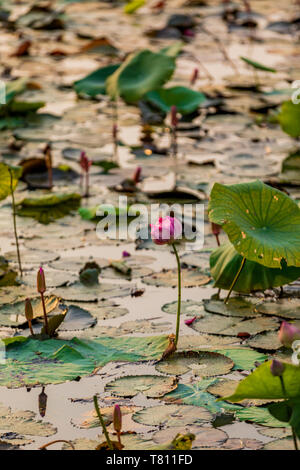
(174, 119)
(194, 76)
(115, 131)
(85, 163)
(137, 175)
(288, 334)
(277, 368)
(41, 283)
(190, 321)
(117, 419)
(28, 310)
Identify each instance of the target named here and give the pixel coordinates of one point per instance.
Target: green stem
(102, 423)
(235, 280)
(179, 294)
(285, 395)
(15, 222)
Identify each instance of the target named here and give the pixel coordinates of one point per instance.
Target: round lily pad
(204, 363)
(32, 256)
(77, 318)
(169, 278)
(75, 264)
(187, 307)
(196, 260)
(14, 314)
(236, 307)
(129, 441)
(204, 342)
(267, 341)
(136, 272)
(205, 437)
(24, 422)
(152, 386)
(53, 278)
(231, 326)
(79, 292)
(90, 419)
(172, 415)
(276, 432)
(285, 308)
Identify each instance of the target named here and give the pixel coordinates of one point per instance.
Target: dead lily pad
(204, 363)
(236, 307)
(169, 278)
(152, 386)
(14, 315)
(230, 326)
(172, 415)
(191, 307)
(285, 308)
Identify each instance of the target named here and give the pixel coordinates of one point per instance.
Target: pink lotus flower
(288, 334)
(41, 283)
(277, 368)
(85, 163)
(166, 230)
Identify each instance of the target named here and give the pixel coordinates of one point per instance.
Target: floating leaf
(169, 278)
(226, 261)
(258, 66)
(152, 386)
(223, 387)
(280, 444)
(5, 179)
(91, 419)
(139, 73)
(258, 415)
(46, 209)
(81, 293)
(206, 364)
(205, 437)
(290, 170)
(14, 314)
(24, 422)
(285, 308)
(289, 118)
(261, 222)
(185, 100)
(268, 341)
(236, 307)
(187, 307)
(244, 359)
(94, 83)
(172, 415)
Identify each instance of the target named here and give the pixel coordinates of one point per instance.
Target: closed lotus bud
(194, 76)
(117, 418)
(115, 131)
(28, 310)
(137, 175)
(288, 334)
(215, 228)
(43, 402)
(277, 368)
(41, 283)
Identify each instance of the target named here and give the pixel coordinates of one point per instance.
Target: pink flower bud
(194, 76)
(190, 321)
(288, 334)
(125, 254)
(137, 175)
(85, 163)
(115, 131)
(117, 418)
(174, 119)
(28, 310)
(41, 283)
(215, 228)
(277, 368)
(166, 230)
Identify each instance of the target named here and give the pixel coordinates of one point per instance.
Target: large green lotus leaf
(225, 262)
(169, 278)
(261, 222)
(94, 83)
(290, 170)
(259, 415)
(46, 209)
(14, 314)
(152, 386)
(243, 358)
(140, 72)
(172, 415)
(185, 100)
(262, 384)
(24, 422)
(5, 179)
(285, 308)
(235, 307)
(258, 65)
(32, 362)
(226, 386)
(206, 364)
(232, 326)
(196, 394)
(289, 118)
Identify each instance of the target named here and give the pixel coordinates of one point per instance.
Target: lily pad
(231, 326)
(286, 443)
(261, 222)
(24, 422)
(187, 307)
(14, 314)
(172, 415)
(91, 420)
(267, 341)
(77, 318)
(259, 415)
(206, 364)
(226, 261)
(46, 209)
(152, 386)
(285, 308)
(169, 278)
(94, 83)
(243, 358)
(225, 387)
(5, 179)
(81, 293)
(205, 437)
(185, 100)
(139, 73)
(236, 307)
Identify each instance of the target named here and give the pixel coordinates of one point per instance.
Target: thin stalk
(285, 395)
(55, 442)
(15, 222)
(30, 327)
(45, 314)
(87, 184)
(295, 439)
(119, 438)
(115, 129)
(235, 280)
(179, 295)
(102, 423)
